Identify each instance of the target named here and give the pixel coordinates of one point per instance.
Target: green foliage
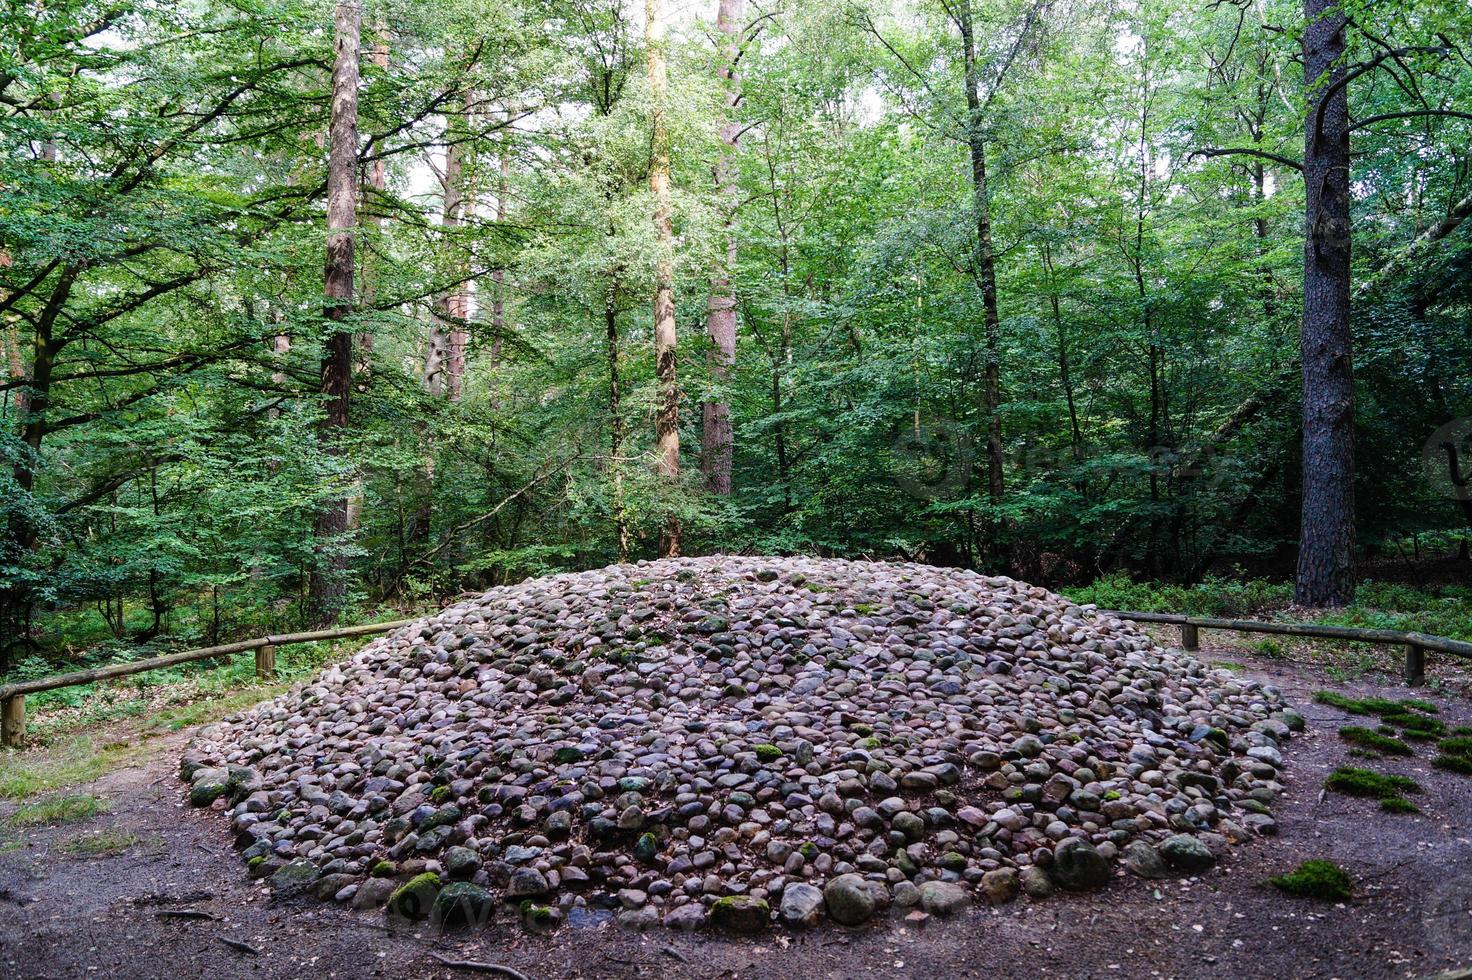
(1319, 879)
(161, 214)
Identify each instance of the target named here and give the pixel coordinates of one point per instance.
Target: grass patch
(76, 760)
(1460, 764)
(1458, 745)
(71, 808)
(1363, 782)
(1394, 711)
(104, 843)
(1271, 649)
(1368, 739)
(1417, 726)
(1398, 804)
(1319, 879)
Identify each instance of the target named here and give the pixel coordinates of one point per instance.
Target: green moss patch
(1398, 804)
(1364, 782)
(1461, 764)
(1373, 706)
(1318, 879)
(1459, 745)
(1369, 739)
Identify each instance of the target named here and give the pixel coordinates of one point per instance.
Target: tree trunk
(378, 183)
(438, 358)
(1326, 534)
(615, 422)
(983, 258)
(667, 412)
(498, 274)
(328, 582)
(716, 437)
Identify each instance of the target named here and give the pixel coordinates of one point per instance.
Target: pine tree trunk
(328, 582)
(984, 259)
(498, 274)
(378, 183)
(1326, 535)
(716, 437)
(667, 412)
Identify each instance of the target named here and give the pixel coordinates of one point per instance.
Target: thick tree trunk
(716, 437)
(615, 422)
(328, 582)
(377, 182)
(498, 274)
(667, 411)
(440, 362)
(984, 258)
(1326, 534)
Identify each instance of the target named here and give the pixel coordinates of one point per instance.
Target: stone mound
(731, 740)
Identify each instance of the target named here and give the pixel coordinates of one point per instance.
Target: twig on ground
(185, 914)
(238, 945)
(477, 967)
(671, 951)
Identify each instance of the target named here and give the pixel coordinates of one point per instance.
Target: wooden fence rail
(1415, 644)
(13, 696)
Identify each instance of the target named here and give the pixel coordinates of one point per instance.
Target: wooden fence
(1415, 644)
(13, 696)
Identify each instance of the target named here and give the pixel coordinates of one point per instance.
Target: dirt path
(62, 915)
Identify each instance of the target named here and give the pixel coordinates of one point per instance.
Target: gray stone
(1078, 866)
(849, 900)
(802, 906)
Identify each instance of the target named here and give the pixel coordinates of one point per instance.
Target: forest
(311, 310)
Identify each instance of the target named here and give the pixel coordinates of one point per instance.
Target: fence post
(1190, 637)
(1415, 665)
(13, 721)
(266, 662)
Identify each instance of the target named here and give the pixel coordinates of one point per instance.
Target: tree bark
(667, 412)
(983, 257)
(1326, 535)
(378, 183)
(440, 362)
(328, 583)
(498, 274)
(716, 436)
(615, 421)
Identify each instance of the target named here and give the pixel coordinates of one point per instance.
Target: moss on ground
(1318, 879)
(1457, 745)
(1398, 804)
(1364, 782)
(1370, 739)
(1460, 764)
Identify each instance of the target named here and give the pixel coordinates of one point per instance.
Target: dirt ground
(63, 915)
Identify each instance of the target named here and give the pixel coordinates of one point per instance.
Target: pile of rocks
(732, 740)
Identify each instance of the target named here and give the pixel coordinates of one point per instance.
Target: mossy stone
(415, 898)
(461, 903)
